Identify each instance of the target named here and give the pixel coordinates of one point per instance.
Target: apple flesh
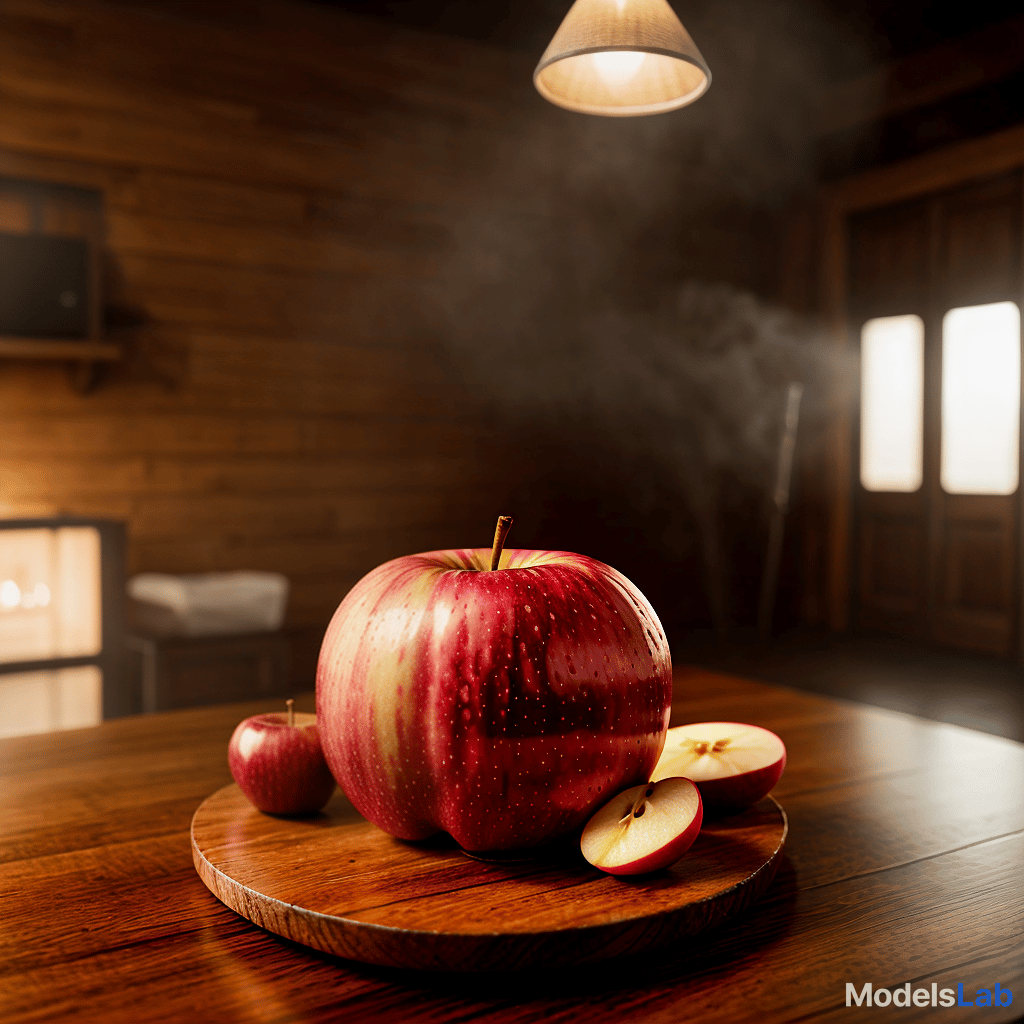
(278, 763)
(645, 828)
(501, 706)
(733, 765)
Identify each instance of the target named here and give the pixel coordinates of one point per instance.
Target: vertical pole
(780, 503)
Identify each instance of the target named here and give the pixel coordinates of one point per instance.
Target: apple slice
(644, 828)
(733, 764)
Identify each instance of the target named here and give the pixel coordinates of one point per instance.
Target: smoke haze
(604, 299)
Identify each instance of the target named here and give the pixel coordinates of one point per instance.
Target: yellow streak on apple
(400, 626)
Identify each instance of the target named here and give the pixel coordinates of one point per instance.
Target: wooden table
(905, 863)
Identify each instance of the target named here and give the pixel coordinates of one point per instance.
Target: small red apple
(278, 764)
(644, 828)
(733, 764)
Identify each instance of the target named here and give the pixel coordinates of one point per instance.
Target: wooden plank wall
(274, 411)
(278, 183)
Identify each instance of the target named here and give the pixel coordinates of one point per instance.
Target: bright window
(49, 593)
(892, 403)
(981, 399)
(64, 698)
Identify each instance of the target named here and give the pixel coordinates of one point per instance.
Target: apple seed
(702, 747)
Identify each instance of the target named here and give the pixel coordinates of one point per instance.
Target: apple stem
(290, 704)
(500, 533)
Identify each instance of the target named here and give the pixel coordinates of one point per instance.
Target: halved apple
(733, 764)
(644, 828)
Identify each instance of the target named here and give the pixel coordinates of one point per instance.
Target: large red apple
(502, 706)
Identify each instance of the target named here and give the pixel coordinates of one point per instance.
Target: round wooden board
(341, 885)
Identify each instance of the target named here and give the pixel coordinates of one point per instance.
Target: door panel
(891, 567)
(979, 244)
(977, 583)
(890, 258)
(933, 565)
(889, 261)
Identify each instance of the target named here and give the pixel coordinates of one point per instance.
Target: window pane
(49, 593)
(891, 403)
(67, 698)
(980, 399)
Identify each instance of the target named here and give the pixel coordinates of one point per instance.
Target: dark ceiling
(895, 28)
(802, 46)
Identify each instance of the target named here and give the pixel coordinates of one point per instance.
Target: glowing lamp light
(621, 58)
(10, 594)
(37, 597)
(616, 66)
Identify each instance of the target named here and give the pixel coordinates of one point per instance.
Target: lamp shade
(621, 58)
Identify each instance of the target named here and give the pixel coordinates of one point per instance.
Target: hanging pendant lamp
(621, 58)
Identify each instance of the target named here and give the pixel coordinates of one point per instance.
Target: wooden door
(931, 562)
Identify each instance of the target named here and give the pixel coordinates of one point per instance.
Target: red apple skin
(280, 767)
(501, 707)
(734, 793)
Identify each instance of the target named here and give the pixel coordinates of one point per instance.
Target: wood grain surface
(904, 863)
(341, 885)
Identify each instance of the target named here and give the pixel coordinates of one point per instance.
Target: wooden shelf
(62, 348)
(87, 360)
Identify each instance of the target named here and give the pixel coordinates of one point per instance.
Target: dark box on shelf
(44, 286)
